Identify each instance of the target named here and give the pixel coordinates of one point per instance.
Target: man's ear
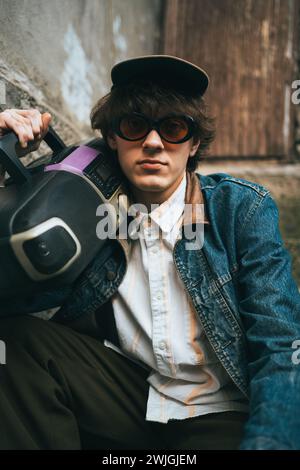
(194, 148)
(111, 140)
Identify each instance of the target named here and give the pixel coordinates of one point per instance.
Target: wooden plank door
(249, 49)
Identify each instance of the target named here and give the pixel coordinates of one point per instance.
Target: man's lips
(151, 161)
(150, 164)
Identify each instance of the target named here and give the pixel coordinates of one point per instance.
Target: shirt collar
(167, 214)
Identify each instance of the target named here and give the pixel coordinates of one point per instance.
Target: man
(164, 345)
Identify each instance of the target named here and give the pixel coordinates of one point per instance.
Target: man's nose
(153, 140)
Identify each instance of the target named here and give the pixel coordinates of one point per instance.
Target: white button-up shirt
(157, 325)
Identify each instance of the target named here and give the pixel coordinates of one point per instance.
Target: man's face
(151, 164)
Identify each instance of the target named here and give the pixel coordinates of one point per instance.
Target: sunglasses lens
(133, 127)
(174, 129)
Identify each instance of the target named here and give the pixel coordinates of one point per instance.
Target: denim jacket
(241, 287)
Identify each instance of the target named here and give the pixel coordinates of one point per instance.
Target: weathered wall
(57, 55)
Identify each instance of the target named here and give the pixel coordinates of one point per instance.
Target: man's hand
(27, 124)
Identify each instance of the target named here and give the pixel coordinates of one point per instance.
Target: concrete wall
(57, 54)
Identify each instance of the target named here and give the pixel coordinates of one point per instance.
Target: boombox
(48, 213)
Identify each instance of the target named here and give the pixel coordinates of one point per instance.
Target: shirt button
(162, 345)
(159, 297)
(154, 250)
(110, 275)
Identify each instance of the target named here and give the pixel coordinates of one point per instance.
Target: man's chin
(152, 188)
(151, 183)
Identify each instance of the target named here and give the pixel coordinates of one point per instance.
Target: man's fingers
(10, 122)
(46, 119)
(34, 117)
(36, 124)
(28, 124)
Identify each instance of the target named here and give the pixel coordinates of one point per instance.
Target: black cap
(169, 70)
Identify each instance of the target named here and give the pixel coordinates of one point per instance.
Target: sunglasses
(172, 128)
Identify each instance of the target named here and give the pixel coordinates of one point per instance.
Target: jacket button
(111, 275)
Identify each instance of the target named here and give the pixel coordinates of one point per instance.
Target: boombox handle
(11, 152)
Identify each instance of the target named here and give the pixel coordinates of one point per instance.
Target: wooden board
(248, 48)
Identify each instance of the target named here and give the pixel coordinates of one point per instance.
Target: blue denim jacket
(241, 286)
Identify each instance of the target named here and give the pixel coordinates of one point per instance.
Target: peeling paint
(75, 86)
(119, 39)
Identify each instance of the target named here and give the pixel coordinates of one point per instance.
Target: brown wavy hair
(154, 99)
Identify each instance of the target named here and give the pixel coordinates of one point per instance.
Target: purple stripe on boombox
(76, 162)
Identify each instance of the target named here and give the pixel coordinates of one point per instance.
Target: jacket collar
(194, 197)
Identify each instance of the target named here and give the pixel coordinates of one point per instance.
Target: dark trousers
(61, 389)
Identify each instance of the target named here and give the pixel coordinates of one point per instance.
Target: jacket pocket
(223, 291)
